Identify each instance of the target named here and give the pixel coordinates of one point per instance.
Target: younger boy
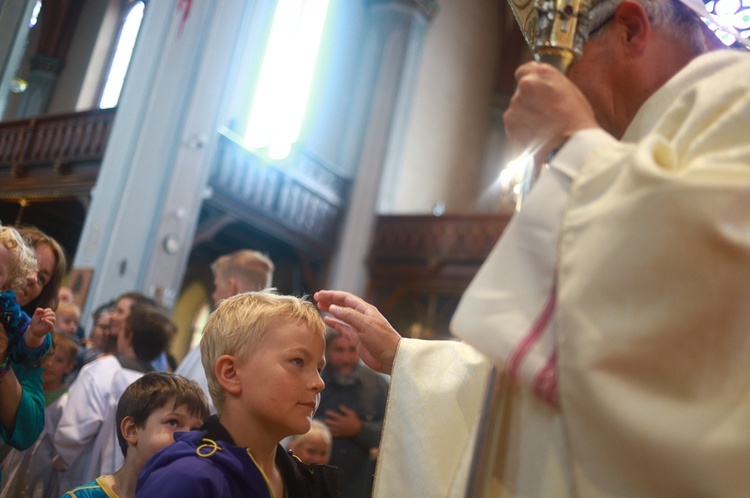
(30, 472)
(86, 438)
(68, 316)
(263, 354)
(314, 446)
(149, 412)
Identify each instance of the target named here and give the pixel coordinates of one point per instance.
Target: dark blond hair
(252, 269)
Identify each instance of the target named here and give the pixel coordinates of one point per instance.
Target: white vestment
(86, 437)
(191, 367)
(628, 357)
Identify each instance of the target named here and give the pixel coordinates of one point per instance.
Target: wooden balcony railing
(420, 265)
(300, 202)
(433, 250)
(52, 156)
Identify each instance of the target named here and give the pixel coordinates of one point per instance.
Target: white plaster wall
(443, 151)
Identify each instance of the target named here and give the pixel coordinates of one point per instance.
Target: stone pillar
(153, 178)
(384, 91)
(14, 32)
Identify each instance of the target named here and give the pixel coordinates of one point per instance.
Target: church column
(385, 86)
(14, 32)
(153, 177)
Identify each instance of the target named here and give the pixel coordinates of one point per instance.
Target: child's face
(281, 381)
(57, 366)
(313, 448)
(158, 431)
(67, 323)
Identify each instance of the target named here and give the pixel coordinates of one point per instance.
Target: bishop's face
(592, 75)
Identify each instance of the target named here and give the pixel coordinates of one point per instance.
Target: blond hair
(241, 321)
(252, 270)
(23, 258)
(316, 427)
(70, 308)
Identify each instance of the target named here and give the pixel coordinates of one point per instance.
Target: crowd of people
(614, 307)
(92, 409)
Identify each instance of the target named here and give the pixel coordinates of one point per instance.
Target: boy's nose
(318, 383)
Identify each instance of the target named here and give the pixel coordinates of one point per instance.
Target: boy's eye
(173, 422)
(298, 362)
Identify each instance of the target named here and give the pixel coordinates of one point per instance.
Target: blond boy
(68, 315)
(151, 410)
(263, 354)
(314, 446)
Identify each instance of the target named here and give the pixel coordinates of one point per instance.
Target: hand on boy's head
(376, 340)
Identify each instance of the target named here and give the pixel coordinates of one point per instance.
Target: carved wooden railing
(433, 248)
(301, 202)
(420, 265)
(51, 156)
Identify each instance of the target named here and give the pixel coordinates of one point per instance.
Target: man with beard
(353, 407)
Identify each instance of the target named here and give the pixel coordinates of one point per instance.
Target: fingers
(346, 411)
(328, 298)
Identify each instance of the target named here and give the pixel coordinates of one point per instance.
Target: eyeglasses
(601, 24)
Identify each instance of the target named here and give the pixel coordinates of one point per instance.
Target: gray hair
(670, 15)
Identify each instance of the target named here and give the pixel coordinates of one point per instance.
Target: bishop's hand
(546, 109)
(373, 336)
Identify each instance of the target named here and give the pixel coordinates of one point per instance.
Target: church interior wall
(451, 110)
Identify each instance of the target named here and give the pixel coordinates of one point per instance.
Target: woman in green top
(21, 395)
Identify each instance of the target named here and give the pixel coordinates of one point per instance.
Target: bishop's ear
(635, 24)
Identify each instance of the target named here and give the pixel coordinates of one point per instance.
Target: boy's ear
(129, 430)
(70, 367)
(227, 374)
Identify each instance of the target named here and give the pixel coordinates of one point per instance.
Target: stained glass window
(734, 13)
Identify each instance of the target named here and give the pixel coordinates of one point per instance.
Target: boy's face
(281, 381)
(158, 431)
(312, 449)
(56, 366)
(67, 323)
